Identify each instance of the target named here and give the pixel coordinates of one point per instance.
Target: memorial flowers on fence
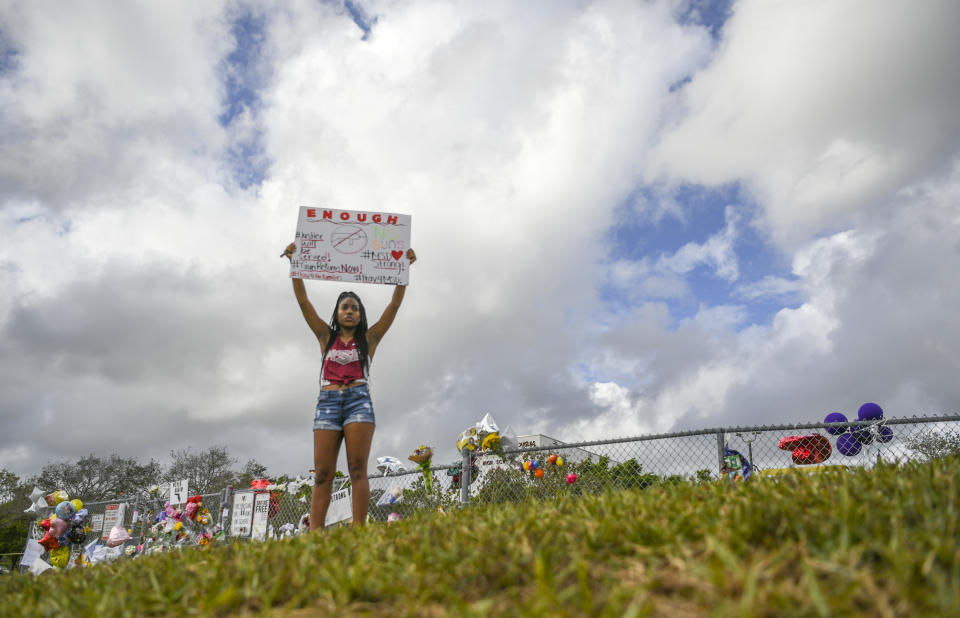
(423, 456)
(175, 527)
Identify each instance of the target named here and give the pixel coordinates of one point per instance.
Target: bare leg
(358, 437)
(326, 448)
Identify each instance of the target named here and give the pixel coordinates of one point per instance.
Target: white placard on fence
(96, 522)
(341, 506)
(352, 246)
(31, 552)
(178, 492)
(242, 514)
(112, 516)
(261, 511)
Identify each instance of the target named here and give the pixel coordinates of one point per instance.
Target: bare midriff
(340, 387)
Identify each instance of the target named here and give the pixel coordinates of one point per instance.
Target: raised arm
(316, 324)
(376, 332)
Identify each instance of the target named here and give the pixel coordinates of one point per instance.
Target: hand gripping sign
(352, 246)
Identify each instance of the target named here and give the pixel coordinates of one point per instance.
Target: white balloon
(388, 464)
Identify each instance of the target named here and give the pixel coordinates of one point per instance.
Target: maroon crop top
(342, 364)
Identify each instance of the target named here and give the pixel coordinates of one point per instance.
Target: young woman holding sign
(344, 409)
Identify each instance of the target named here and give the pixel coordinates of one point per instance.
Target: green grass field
(861, 542)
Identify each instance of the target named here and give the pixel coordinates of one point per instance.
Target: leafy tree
(250, 472)
(630, 475)
(206, 471)
(94, 478)
(9, 484)
(935, 445)
(14, 523)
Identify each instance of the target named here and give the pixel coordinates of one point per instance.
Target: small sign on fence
(341, 506)
(261, 511)
(96, 522)
(112, 516)
(178, 492)
(242, 514)
(351, 246)
(31, 552)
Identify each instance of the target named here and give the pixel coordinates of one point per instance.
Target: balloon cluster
(850, 441)
(67, 528)
(67, 525)
(535, 468)
(816, 448)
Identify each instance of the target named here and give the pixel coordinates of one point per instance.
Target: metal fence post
(720, 450)
(465, 478)
(225, 511)
(136, 531)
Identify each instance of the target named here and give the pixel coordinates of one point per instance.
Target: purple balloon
(848, 445)
(835, 417)
(886, 434)
(870, 412)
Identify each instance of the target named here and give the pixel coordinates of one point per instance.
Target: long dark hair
(359, 333)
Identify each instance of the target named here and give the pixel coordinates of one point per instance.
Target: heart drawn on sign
(397, 255)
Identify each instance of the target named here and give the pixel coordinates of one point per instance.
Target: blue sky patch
(711, 14)
(9, 56)
(701, 238)
(360, 17)
(244, 75)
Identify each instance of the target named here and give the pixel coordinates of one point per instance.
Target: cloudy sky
(631, 216)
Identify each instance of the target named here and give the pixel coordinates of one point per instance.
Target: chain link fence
(545, 471)
(541, 469)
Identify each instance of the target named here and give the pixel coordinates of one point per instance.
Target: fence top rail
(734, 430)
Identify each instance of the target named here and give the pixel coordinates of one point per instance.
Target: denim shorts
(336, 408)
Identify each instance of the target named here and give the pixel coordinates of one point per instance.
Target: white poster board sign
(242, 514)
(31, 552)
(112, 516)
(352, 246)
(178, 492)
(341, 506)
(261, 512)
(96, 522)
